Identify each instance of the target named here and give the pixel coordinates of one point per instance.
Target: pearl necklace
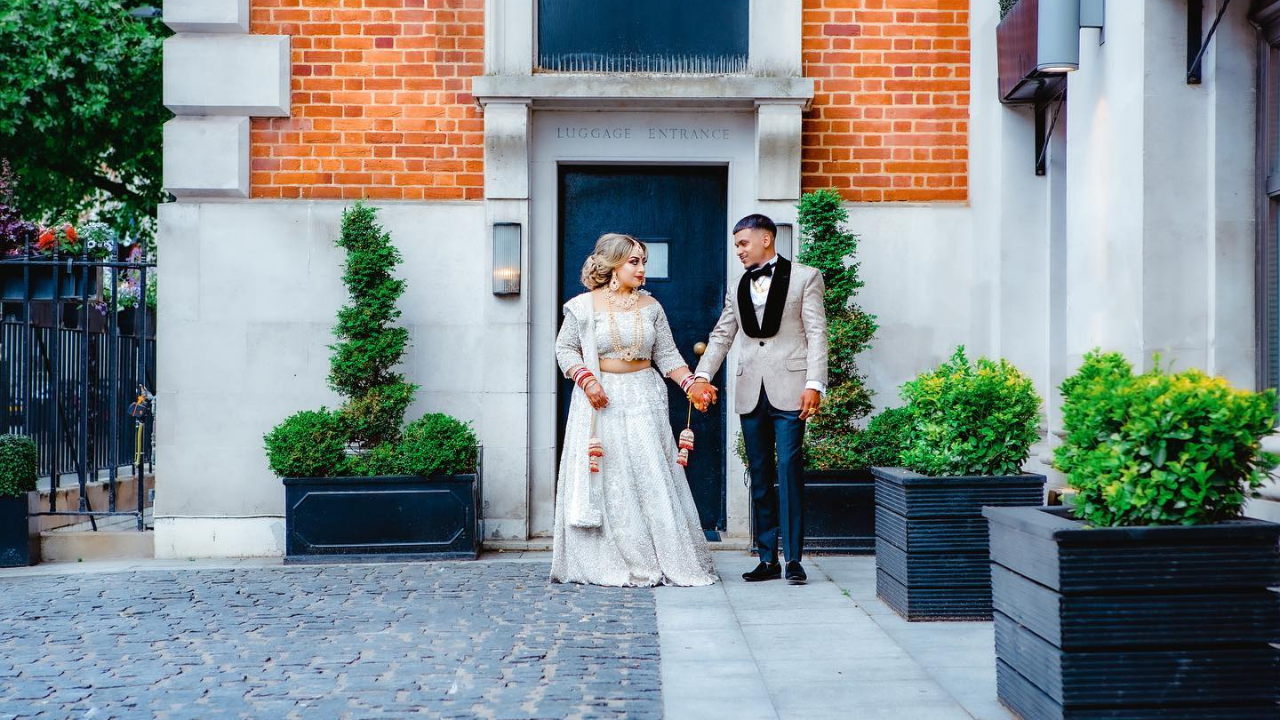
(637, 336)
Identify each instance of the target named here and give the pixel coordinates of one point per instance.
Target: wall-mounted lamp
(784, 243)
(506, 258)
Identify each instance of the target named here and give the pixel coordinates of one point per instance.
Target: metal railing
(77, 372)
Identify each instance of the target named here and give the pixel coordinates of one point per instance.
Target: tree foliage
(831, 440)
(81, 111)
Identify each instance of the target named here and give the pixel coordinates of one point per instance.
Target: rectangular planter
(1137, 622)
(47, 280)
(382, 519)
(15, 540)
(931, 540)
(839, 509)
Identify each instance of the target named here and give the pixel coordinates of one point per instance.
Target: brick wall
(381, 101)
(890, 117)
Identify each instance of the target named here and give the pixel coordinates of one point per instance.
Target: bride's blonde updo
(612, 250)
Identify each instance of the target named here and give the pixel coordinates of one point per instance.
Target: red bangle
(687, 383)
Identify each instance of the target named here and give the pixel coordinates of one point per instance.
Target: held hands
(810, 401)
(702, 394)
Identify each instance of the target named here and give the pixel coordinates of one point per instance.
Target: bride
(632, 523)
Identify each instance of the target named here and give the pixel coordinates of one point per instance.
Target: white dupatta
(584, 494)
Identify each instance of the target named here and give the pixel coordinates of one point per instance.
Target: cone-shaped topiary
(369, 347)
(831, 440)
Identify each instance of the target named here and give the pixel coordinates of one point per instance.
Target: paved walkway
(492, 639)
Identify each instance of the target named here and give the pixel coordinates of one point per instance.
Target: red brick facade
(890, 117)
(382, 102)
(382, 108)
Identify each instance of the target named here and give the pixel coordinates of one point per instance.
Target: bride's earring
(613, 283)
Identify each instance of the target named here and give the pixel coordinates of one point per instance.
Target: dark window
(1268, 210)
(654, 36)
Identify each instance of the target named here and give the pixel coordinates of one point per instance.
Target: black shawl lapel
(772, 305)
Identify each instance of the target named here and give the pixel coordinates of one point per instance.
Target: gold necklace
(632, 298)
(637, 336)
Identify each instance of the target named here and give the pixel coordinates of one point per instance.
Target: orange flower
(45, 243)
(70, 232)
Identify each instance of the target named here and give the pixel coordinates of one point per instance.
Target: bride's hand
(596, 396)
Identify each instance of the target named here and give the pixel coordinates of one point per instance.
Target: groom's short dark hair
(756, 221)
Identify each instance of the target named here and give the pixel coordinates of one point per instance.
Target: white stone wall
(252, 290)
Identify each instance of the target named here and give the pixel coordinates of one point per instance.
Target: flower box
(839, 510)
(382, 519)
(46, 281)
(931, 540)
(1134, 622)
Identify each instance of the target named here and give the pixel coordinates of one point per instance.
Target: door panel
(682, 212)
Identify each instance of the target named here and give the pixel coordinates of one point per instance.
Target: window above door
(656, 36)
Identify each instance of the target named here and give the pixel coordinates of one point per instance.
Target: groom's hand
(810, 401)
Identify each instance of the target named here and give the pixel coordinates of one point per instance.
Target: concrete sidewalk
(829, 649)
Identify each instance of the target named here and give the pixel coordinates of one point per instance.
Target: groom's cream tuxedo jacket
(782, 345)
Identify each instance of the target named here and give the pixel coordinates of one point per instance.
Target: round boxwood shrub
(1160, 448)
(437, 444)
(19, 465)
(311, 443)
(971, 418)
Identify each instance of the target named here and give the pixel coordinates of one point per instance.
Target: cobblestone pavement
(449, 640)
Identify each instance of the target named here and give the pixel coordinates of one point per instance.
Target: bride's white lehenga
(634, 523)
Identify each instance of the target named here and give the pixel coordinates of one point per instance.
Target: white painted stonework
(207, 16)
(214, 74)
(207, 157)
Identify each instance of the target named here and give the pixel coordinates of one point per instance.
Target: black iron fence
(77, 371)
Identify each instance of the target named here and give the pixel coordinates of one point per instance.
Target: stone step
(64, 546)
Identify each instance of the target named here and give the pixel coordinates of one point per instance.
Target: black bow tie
(762, 271)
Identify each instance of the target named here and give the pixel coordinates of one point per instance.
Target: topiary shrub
(19, 465)
(369, 347)
(1160, 448)
(831, 438)
(971, 418)
(362, 370)
(308, 444)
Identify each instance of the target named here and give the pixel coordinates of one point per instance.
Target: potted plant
(1149, 596)
(18, 467)
(124, 293)
(839, 492)
(972, 427)
(16, 235)
(360, 485)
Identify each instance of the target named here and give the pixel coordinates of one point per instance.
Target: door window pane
(653, 36)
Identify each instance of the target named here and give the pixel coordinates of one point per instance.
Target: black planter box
(48, 280)
(15, 541)
(839, 510)
(1137, 622)
(129, 320)
(381, 519)
(932, 559)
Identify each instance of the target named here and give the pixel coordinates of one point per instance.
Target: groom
(777, 319)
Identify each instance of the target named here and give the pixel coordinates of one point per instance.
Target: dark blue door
(681, 214)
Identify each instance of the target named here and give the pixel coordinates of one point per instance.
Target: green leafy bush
(831, 438)
(1160, 448)
(362, 370)
(437, 443)
(310, 443)
(19, 463)
(971, 418)
(887, 436)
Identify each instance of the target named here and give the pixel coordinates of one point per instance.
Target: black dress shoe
(764, 571)
(795, 573)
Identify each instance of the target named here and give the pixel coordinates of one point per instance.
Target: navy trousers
(775, 458)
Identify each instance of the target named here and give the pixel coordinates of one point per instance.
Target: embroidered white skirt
(634, 523)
